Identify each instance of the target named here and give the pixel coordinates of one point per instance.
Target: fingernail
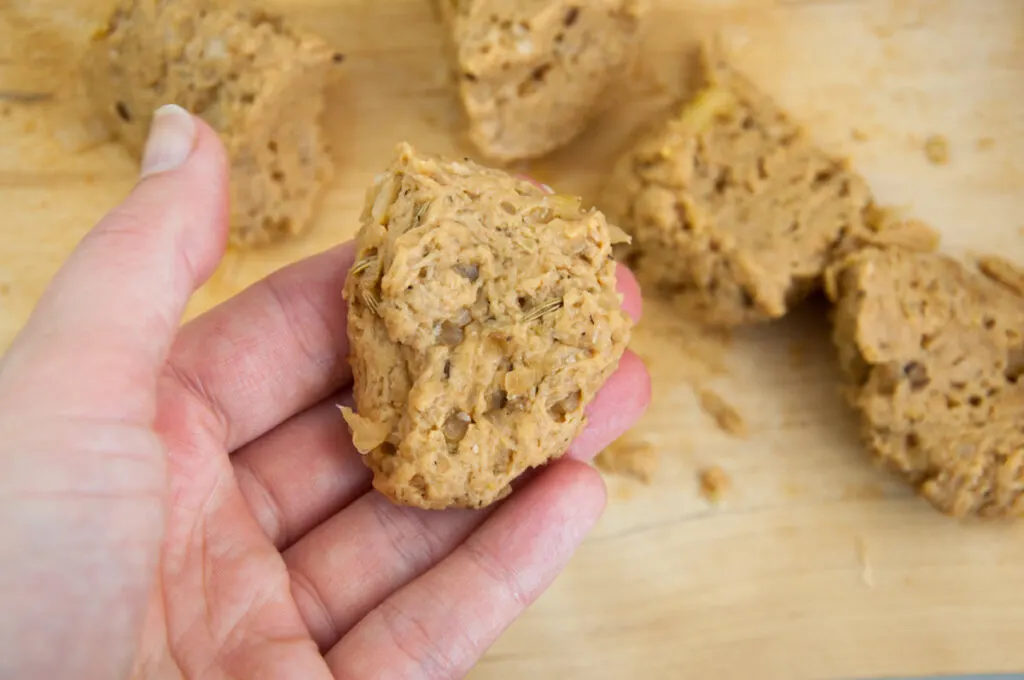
(171, 138)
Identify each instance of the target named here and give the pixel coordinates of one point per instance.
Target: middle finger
(298, 475)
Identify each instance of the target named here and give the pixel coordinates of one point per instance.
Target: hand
(187, 502)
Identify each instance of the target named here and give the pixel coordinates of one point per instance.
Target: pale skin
(185, 501)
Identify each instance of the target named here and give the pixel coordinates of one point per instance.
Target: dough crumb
(985, 144)
(726, 417)
(936, 150)
(629, 458)
(1003, 272)
(891, 228)
(366, 434)
(714, 484)
(911, 235)
(859, 135)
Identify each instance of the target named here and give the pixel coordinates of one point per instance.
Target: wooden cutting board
(815, 564)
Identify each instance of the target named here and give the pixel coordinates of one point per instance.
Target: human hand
(188, 503)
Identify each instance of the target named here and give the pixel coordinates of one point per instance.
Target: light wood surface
(815, 565)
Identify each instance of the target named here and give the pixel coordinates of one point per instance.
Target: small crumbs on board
(859, 135)
(985, 144)
(629, 458)
(714, 484)
(725, 416)
(936, 149)
(794, 490)
(1002, 272)
(891, 227)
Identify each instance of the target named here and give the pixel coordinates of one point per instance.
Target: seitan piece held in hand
(532, 73)
(933, 354)
(483, 318)
(256, 81)
(735, 212)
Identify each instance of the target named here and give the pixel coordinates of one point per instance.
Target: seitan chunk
(735, 212)
(532, 73)
(256, 81)
(933, 355)
(483, 318)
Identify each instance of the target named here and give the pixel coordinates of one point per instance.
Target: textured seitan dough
(532, 73)
(734, 212)
(483, 317)
(933, 354)
(257, 82)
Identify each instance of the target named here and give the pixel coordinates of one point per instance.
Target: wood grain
(816, 565)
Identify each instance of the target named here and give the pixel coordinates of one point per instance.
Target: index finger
(271, 351)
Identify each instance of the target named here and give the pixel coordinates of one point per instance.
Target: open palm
(189, 504)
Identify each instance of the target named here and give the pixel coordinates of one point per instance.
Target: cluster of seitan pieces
(738, 215)
(735, 212)
(483, 311)
(483, 318)
(480, 366)
(531, 74)
(259, 83)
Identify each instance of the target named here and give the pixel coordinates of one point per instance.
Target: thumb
(99, 335)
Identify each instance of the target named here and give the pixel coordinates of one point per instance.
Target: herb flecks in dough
(486, 326)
